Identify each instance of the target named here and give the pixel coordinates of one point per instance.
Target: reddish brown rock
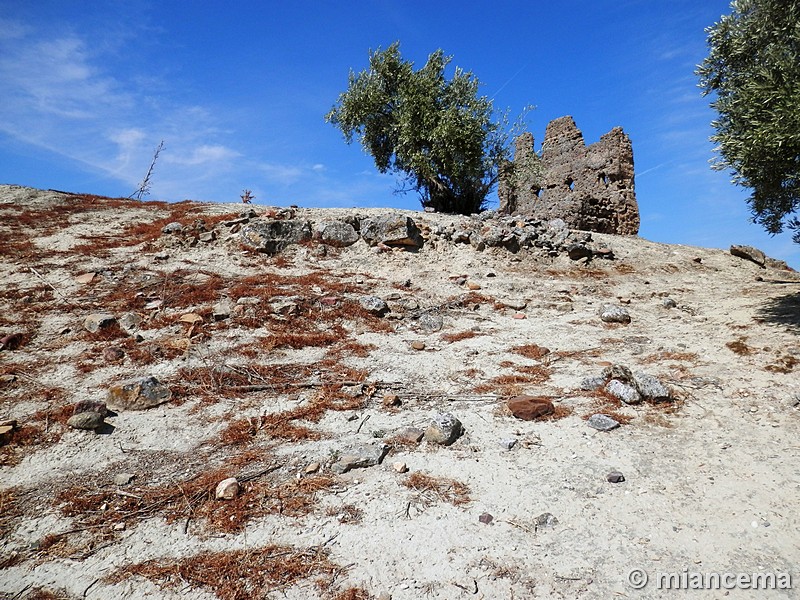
(530, 408)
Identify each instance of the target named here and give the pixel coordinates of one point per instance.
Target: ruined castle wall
(590, 188)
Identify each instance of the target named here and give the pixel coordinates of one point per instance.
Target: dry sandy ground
(711, 479)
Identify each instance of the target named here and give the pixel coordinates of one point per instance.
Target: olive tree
(753, 69)
(437, 133)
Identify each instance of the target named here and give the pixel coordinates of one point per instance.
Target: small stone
(614, 314)
(97, 321)
(668, 303)
(602, 422)
(651, 388)
(471, 285)
(387, 595)
(311, 468)
(443, 430)
(391, 400)
(486, 518)
(191, 318)
(96, 406)
(545, 520)
(508, 444)
(529, 408)
(123, 478)
(627, 393)
(374, 305)
(615, 477)
(410, 434)
(400, 467)
(119, 526)
(591, 384)
(207, 236)
(515, 304)
(519, 316)
(138, 394)
(86, 420)
(221, 310)
(360, 458)
(173, 227)
(227, 489)
(130, 321)
(430, 322)
(113, 354)
(418, 345)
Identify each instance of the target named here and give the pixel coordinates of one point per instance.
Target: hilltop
(311, 369)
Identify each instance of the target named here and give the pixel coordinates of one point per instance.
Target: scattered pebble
(486, 518)
(615, 477)
(418, 345)
(545, 520)
(508, 444)
(602, 422)
(614, 314)
(312, 468)
(400, 467)
(123, 478)
(391, 400)
(227, 489)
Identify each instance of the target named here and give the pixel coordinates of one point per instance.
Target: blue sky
(238, 91)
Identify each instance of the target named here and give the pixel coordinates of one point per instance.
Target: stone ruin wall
(590, 187)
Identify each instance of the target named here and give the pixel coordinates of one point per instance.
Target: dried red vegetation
(511, 385)
(193, 499)
(283, 425)
(451, 338)
(531, 351)
(353, 594)
(43, 428)
(438, 488)
(665, 356)
(236, 574)
(784, 364)
(739, 347)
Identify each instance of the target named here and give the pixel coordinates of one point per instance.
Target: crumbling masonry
(590, 188)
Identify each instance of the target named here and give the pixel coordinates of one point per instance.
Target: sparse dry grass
(512, 385)
(192, 499)
(237, 574)
(433, 489)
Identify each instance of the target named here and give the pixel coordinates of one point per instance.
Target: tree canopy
(438, 133)
(753, 67)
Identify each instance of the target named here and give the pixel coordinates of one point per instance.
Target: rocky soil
(229, 401)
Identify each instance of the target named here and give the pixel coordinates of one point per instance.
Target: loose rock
(443, 430)
(336, 233)
(627, 393)
(400, 467)
(275, 236)
(529, 408)
(359, 458)
(124, 478)
(749, 253)
(486, 518)
(391, 230)
(227, 489)
(374, 305)
(97, 321)
(430, 322)
(602, 422)
(86, 420)
(418, 345)
(410, 434)
(614, 314)
(651, 388)
(545, 520)
(391, 400)
(615, 477)
(138, 394)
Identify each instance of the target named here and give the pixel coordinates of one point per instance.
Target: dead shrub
(784, 364)
(511, 385)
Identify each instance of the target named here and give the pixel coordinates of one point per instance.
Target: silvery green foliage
(437, 133)
(753, 69)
